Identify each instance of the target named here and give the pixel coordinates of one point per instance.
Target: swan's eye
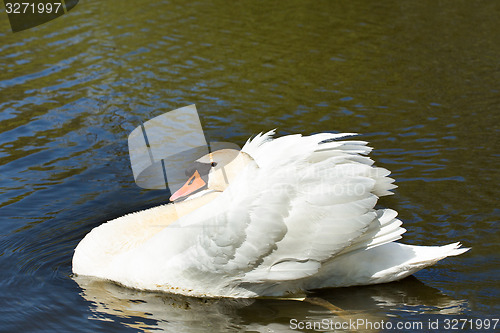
(213, 164)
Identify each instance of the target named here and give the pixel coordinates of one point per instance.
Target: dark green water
(419, 80)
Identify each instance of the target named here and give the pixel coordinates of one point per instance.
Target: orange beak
(193, 184)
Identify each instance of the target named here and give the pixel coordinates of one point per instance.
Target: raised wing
(304, 201)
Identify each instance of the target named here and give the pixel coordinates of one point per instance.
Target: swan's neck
(223, 175)
(179, 209)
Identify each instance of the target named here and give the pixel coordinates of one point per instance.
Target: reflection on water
(177, 313)
(419, 80)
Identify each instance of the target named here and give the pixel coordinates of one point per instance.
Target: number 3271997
(32, 8)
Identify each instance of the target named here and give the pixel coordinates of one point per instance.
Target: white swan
(282, 216)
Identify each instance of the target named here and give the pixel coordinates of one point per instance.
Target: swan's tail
(384, 263)
(429, 255)
(414, 258)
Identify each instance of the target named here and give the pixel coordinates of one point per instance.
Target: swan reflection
(147, 311)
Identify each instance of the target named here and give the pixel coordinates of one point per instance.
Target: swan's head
(213, 171)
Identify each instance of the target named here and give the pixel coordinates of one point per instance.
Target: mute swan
(277, 218)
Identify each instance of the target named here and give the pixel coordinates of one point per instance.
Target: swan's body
(279, 217)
